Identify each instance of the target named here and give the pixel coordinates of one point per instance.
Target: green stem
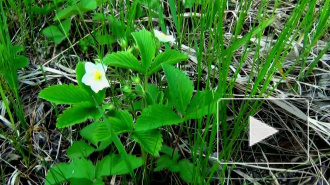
(144, 153)
(3, 96)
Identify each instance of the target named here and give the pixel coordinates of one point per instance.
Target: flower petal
(90, 67)
(101, 67)
(96, 87)
(104, 83)
(87, 79)
(163, 37)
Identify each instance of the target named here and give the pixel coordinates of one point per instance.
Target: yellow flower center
(163, 35)
(97, 75)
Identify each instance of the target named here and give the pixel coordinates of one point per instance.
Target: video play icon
(259, 131)
(263, 131)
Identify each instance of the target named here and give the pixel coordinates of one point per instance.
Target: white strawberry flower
(95, 76)
(163, 37)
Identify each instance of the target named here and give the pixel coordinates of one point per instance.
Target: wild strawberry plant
(160, 109)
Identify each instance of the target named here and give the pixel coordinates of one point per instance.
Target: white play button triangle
(259, 131)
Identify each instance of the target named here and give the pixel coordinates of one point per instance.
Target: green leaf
(166, 162)
(146, 46)
(170, 151)
(150, 140)
(103, 130)
(121, 122)
(115, 165)
(203, 103)
(77, 169)
(123, 59)
(21, 61)
(168, 57)
(79, 149)
(82, 169)
(80, 72)
(65, 94)
(88, 133)
(88, 4)
(57, 33)
(126, 121)
(65, 13)
(79, 8)
(104, 144)
(58, 174)
(181, 88)
(150, 95)
(98, 182)
(187, 171)
(105, 39)
(117, 28)
(80, 182)
(153, 117)
(77, 114)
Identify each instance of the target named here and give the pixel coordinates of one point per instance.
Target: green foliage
(123, 59)
(170, 160)
(78, 8)
(181, 88)
(116, 26)
(65, 94)
(167, 57)
(115, 165)
(77, 169)
(10, 62)
(88, 132)
(142, 111)
(203, 103)
(95, 40)
(121, 122)
(83, 171)
(103, 130)
(79, 149)
(146, 46)
(77, 114)
(146, 129)
(153, 117)
(150, 140)
(57, 33)
(186, 171)
(126, 121)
